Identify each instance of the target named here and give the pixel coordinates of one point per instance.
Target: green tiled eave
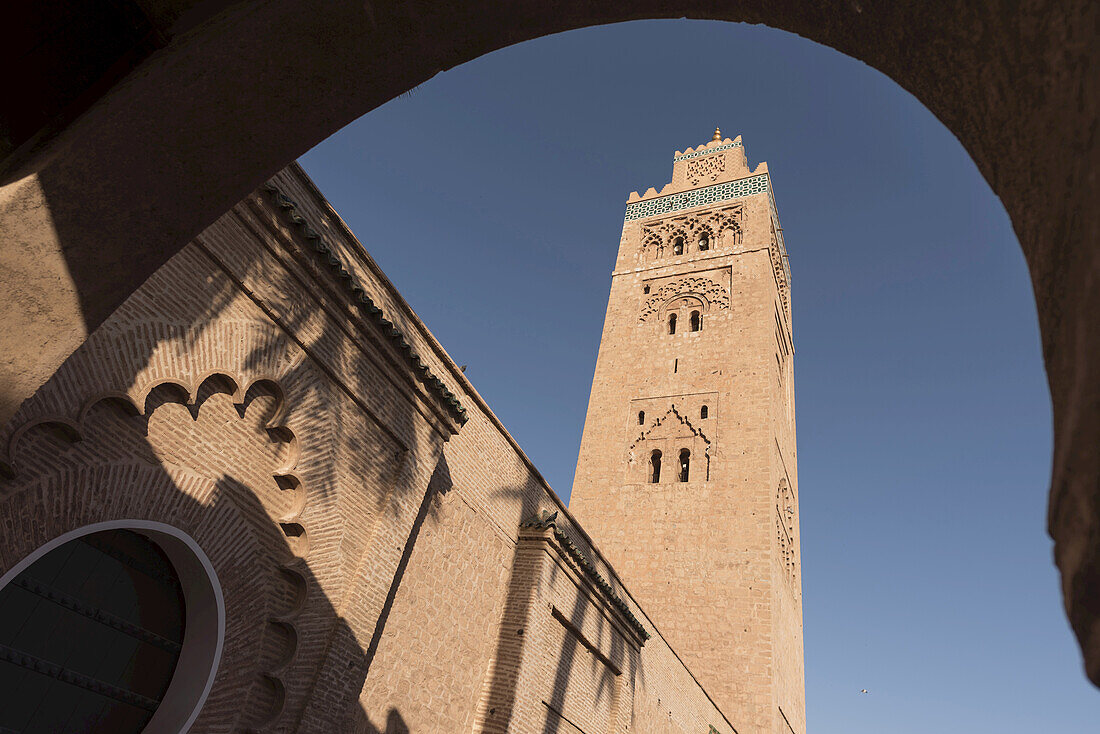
(326, 255)
(698, 197)
(727, 191)
(704, 151)
(546, 520)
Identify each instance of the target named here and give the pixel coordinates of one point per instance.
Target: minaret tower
(687, 477)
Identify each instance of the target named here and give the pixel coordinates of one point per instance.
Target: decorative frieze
(713, 295)
(698, 197)
(706, 151)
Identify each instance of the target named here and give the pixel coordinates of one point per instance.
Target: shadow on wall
(394, 724)
(539, 655)
(192, 407)
(226, 399)
(499, 699)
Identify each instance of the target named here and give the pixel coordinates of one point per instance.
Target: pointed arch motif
(705, 239)
(785, 532)
(672, 418)
(652, 244)
(669, 437)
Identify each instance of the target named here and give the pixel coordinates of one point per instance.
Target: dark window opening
(703, 412)
(655, 467)
(696, 321)
(685, 462)
(93, 631)
(641, 417)
(672, 323)
(646, 290)
(678, 246)
(704, 243)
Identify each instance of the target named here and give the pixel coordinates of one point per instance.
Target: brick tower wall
(714, 559)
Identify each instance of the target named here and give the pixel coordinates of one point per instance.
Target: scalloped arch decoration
(265, 705)
(713, 295)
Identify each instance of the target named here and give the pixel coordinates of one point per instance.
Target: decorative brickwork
(784, 532)
(709, 168)
(333, 261)
(698, 197)
(690, 431)
(707, 151)
(711, 294)
(720, 227)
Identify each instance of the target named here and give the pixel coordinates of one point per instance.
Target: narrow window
(675, 365)
(646, 290)
(678, 246)
(696, 321)
(655, 467)
(641, 417)
(672, 323)
(685, 461)
(703, 412)
(704, 243)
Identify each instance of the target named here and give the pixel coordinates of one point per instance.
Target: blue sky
(493, 197)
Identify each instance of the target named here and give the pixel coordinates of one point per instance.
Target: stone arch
(67, 501)
(1021, 102)
(145, 492)
(728, 229)
(678, 238)
(704, 238)
(652, 246)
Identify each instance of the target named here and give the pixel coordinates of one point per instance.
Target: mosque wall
(387, 557)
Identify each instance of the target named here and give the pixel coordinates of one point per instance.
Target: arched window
(704, 242)
(646, 290)
(94, 627)
(641, 417)
(696, 321)
(703, 412)
(685, 461)
(678, 246)
(672, 323)
(655, 467)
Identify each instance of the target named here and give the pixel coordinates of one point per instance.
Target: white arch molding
(204, 615)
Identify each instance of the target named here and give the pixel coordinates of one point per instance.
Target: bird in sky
(863, 690)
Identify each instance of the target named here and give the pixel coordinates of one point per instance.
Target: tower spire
(717, 134)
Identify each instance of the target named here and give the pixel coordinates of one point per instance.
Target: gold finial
(717, 134)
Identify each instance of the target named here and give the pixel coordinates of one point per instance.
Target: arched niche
(116, 627)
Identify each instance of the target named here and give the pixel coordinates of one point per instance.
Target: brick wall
(270, 393)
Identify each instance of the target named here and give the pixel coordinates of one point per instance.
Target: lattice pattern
(784, 531)
(705, 168)
(698, 197)
(696, 154)
(779, 265)
(713, 293)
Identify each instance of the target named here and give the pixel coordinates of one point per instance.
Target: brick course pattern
(271, 394)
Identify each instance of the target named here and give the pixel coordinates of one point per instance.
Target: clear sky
(493, 197)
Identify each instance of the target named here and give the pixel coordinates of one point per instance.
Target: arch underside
(105, 191)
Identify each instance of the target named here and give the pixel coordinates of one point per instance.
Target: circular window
(109, 630)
